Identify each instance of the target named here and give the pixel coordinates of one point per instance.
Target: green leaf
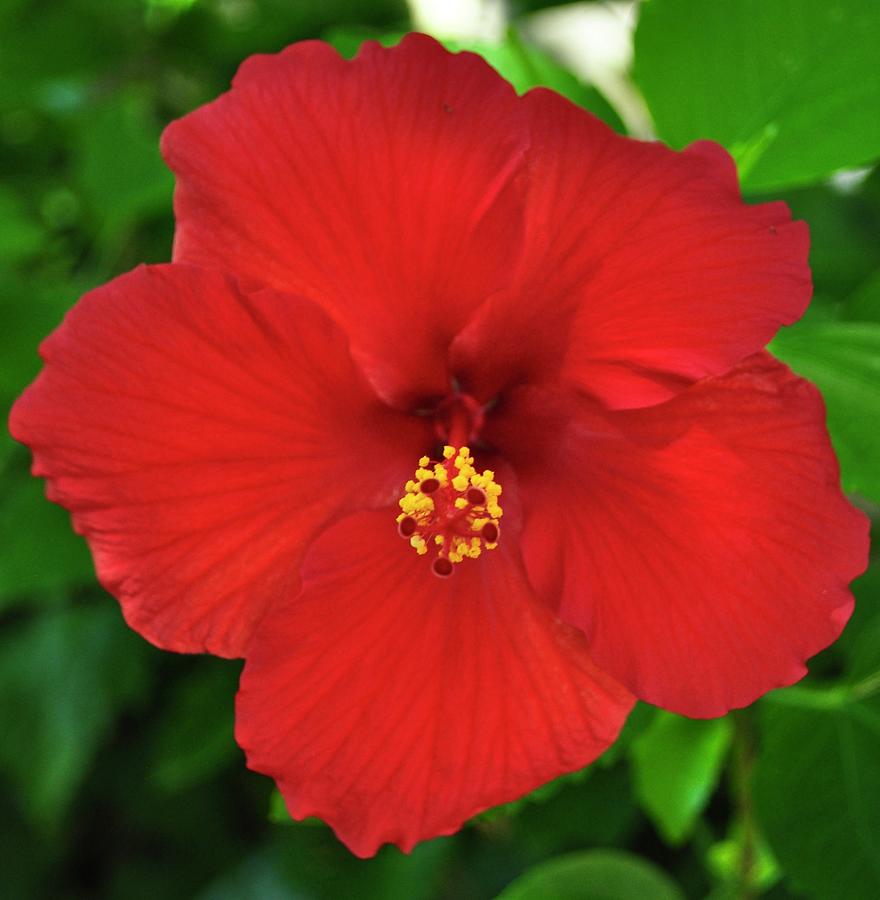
(817, 788)
(347, 41)
(677, 763)
(790, 87)
(64, 676)
(594, 875)
(843, 359)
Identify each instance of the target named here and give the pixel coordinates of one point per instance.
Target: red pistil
(459, 420)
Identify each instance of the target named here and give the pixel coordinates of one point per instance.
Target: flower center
(451, 508)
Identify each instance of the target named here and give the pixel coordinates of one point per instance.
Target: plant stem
(867, 687)
(743, 765)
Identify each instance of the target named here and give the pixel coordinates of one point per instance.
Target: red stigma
(407, 527)
(442, 567)
(476, 497)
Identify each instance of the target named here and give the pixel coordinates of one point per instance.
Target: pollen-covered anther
(452, 509)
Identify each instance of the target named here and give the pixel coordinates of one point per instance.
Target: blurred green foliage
(791, 87)
(594, 875)
(119, 777)
(676, 765)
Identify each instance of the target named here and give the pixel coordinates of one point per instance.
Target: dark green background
(119, 777)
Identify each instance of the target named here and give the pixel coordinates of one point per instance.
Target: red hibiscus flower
(378, 263)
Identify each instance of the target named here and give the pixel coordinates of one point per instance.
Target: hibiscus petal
(702, 545)
(381, 188)
(200, 436)
(394, 705)
(642, 269)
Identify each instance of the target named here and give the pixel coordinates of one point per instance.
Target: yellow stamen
(462, 503)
